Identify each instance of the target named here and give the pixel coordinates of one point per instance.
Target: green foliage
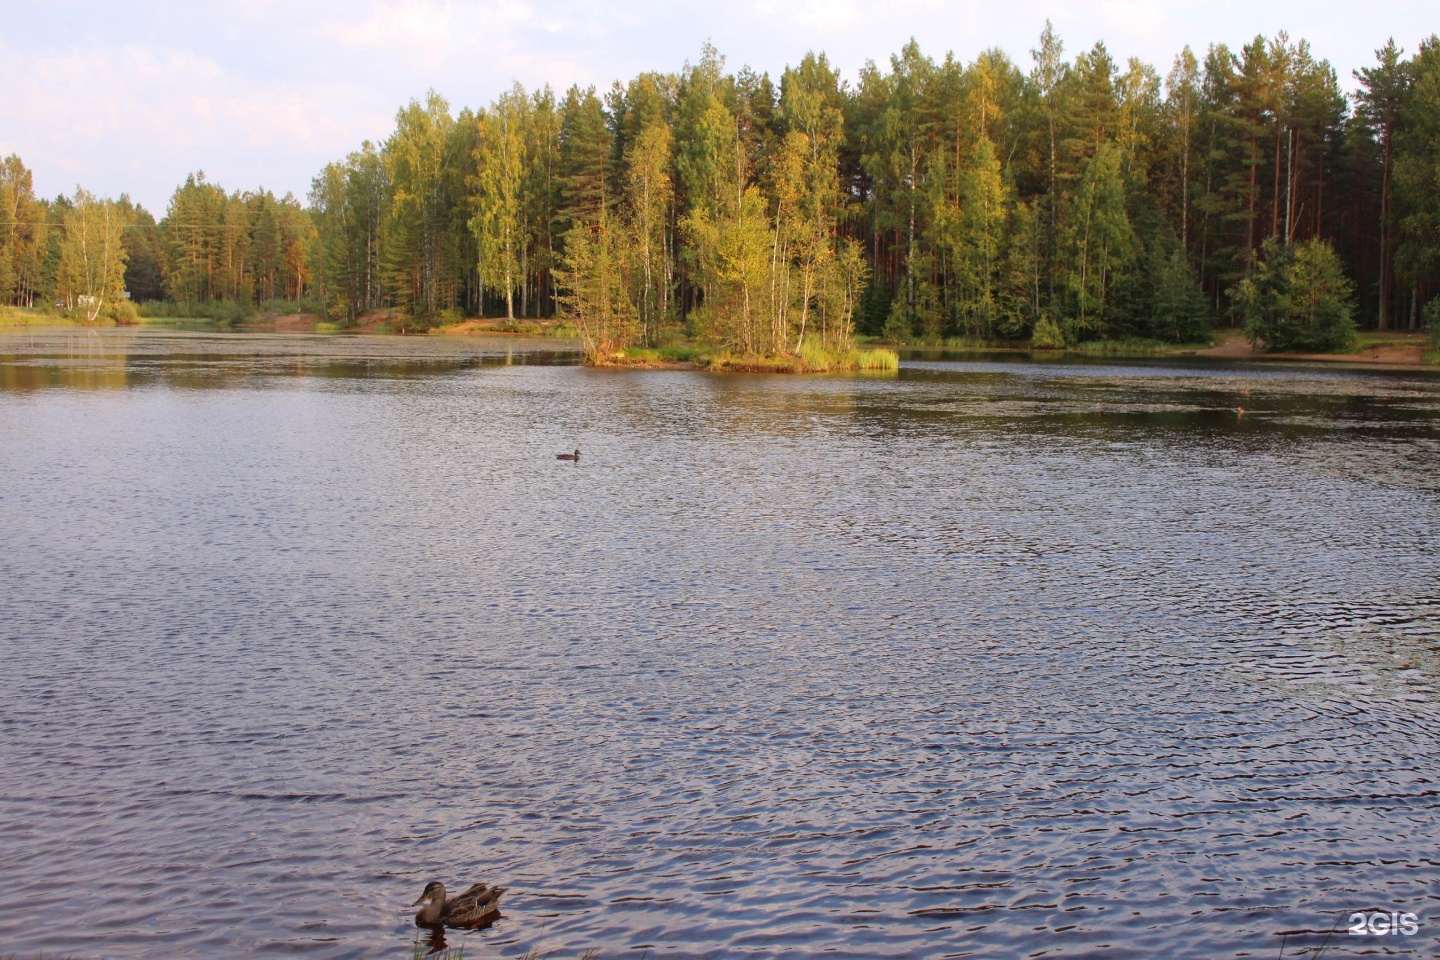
(899, 323)
(594, 295)
(1160, 299)
(1047, 335)
(24, 236)
(1298, 299)
(815, 357)
(92, 256)
(122, 312)
(1431, 316)
(223, 312)
(218, 247)
(1083, 200)
(1417, 167)
(874, 310)
(144, 253)
(1101, 243)
(733, 253)
(421, 244)
(498, 221)
(349, 204)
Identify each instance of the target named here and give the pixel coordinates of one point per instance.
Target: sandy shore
(1403, 349)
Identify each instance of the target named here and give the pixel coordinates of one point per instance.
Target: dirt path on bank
(1402, 349)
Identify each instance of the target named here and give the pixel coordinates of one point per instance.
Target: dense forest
(1065, 200)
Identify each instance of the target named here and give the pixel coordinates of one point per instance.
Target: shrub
(1298, 298)
(123, 312)
(1047, 335)
(1431, 317)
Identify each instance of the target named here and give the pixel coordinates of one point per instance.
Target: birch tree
(92, 256)
(500, 160)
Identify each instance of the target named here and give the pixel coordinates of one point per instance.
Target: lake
(990, 658)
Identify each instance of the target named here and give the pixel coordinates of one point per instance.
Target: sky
(131, 97)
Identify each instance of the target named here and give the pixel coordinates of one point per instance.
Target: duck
(479, 906)
(568, 456)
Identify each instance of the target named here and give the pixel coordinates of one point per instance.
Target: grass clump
(32, 317)
(878, 360)
(115, 313)
(812, 357)
(655, 357)
(1132, 347)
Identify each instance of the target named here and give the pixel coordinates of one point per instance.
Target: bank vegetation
(1054, 201)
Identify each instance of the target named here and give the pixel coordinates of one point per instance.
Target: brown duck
(568, 456)
(477, 907)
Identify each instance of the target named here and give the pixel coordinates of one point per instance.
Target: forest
(1049, 202)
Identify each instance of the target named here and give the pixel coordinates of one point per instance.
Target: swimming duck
(476, 907)
(568, 456)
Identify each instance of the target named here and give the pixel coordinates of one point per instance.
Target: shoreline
(1387, 349)
(1378, 349)
(1384, 348)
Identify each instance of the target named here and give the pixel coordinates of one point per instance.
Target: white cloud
(427, 29)
(131, 120)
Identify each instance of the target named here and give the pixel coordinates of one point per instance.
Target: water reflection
(990, 659)
(97, 359)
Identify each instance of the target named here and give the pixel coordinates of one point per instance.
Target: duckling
(569, 456)
(479, 906)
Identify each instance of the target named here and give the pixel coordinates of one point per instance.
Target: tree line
(1063, 200)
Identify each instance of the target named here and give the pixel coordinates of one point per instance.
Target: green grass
(973, 343)
(558, 329)
(1131, 347)
(662, 355)
(34, 317)
(1123, 347)
(220, 311)
(878, 360)
(420, 950)
(812, 357)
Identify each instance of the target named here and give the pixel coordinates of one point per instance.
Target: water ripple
(990, 659)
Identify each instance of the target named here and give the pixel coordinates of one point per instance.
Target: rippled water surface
(989, 659)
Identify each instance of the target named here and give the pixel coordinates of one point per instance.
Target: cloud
(132, 97)
(431, 29)
(821, 15)
(131, 120)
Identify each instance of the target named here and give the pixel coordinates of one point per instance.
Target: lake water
(988, 659)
